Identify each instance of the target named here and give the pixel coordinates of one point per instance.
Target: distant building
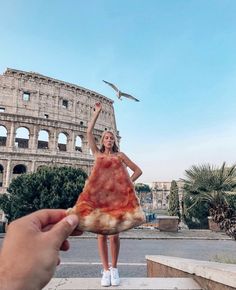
(43, 121)
(161, 191)
(158, 197)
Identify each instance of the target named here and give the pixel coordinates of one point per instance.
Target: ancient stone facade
(43, 121)
(161, 191)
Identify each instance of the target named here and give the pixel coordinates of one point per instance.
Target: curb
(158, 238)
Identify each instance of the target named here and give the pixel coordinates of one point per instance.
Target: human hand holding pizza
(30, 251)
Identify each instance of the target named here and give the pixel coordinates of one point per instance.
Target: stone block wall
(37, 104)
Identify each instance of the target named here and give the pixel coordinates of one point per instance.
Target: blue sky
(177, 56)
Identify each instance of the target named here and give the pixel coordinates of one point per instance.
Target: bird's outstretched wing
(113, 86)
(129, 96)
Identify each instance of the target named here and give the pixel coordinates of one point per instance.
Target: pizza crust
(106, 224)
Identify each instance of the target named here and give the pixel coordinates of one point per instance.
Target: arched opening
(3, 136)
(159, 204)
(22, 138)
(1, 175)
(62, 142)
(43, 139)
(78, 144)
(18, 170)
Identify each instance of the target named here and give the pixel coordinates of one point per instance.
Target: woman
(109, 146)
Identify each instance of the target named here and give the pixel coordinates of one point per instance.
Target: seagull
(119, 93)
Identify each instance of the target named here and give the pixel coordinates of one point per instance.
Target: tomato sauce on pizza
(108, 203)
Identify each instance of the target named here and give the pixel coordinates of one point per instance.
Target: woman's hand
(30, 251)
(97, 108)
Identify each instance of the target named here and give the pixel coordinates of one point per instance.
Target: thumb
(61, 231)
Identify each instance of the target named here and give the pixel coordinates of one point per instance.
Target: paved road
(82, 260)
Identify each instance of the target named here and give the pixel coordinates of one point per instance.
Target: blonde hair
(115, 147)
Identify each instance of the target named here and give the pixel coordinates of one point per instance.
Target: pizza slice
(108, 203)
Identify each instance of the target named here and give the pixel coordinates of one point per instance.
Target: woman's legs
(115, 248)
(103, 251)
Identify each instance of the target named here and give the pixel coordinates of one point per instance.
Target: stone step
(126, 284)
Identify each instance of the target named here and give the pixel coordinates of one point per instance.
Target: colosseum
(43, 121)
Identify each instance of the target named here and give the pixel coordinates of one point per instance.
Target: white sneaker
(106, 278)
(115, 279)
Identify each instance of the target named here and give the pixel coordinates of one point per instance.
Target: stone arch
(1, 175)
(43, 139)
(78, 143)
(22, 137)
(18, 170)
(62, 141)
(3, 135)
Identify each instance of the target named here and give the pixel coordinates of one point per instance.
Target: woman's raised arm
(91, 140)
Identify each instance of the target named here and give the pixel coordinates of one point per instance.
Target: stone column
(11, 140)
(38, 97)
(71, 142)
(154, 199)
(85, 146)
(74, 103)
(33, 166)
(8, 173)
(33, 139)
(53, 141)
(17, 94)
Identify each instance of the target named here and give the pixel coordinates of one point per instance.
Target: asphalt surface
(82, 260)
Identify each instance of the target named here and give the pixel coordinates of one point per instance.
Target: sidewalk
(155, 234)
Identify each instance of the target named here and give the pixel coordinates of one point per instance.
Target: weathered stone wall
(39, 103)
(161, 191)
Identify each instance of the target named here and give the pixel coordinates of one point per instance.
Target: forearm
(30, 274)
(136, 175)
(14, 285)
(92, 122)
(9, 281)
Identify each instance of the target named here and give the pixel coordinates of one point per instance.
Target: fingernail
(72, 220)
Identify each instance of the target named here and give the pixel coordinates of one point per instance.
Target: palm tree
(211, 185)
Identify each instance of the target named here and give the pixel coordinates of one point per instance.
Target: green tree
(207, 188)
(50, 187)
(232, 200)
(173, 208)
(142, 187)
(195, 217)
(142, 191)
